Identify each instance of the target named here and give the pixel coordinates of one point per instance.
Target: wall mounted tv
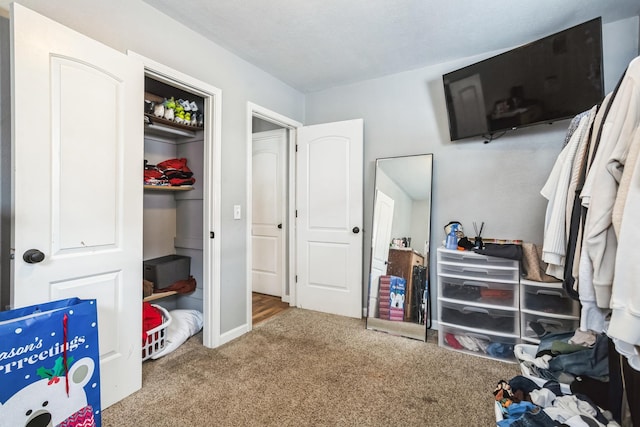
(554, 78)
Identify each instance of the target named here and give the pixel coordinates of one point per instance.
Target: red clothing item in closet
(151, 318)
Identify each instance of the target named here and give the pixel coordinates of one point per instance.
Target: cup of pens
(478, 244)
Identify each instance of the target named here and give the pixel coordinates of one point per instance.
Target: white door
(468, 102)
(380, 239)
(269, 207)
(77, 142)
(329, 207)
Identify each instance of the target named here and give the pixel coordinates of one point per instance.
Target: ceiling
(317, 44)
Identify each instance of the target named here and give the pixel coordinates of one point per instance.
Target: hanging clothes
(578, 212)
(625, 289)
(618, 129)
(601, 260)
(555, 191)
(591, 245)
(592, 317)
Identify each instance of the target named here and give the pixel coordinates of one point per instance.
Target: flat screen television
(554, 78)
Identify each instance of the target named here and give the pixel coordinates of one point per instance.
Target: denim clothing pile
(525, 404)
(571, 360)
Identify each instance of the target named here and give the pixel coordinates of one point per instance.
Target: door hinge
(296, 148)
(296, 278)
(212, 234)
(296, 213)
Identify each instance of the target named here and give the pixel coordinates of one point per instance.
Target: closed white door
(380, 240)
(329, 208)
(468, 103)
(269, 207)
(77, 144)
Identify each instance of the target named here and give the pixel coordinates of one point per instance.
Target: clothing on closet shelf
(592, 233)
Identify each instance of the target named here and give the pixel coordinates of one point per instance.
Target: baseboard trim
(233, 334)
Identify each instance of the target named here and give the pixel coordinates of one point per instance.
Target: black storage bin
(166, 270)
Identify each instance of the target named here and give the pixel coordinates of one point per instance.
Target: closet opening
(173, 194)
(181, 215)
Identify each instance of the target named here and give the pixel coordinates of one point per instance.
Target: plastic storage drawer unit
(167, 270)
(466, 257)
(478, 344)
(535, 325)
(479, 291)
(548, 298)
(500, 274)
(502, 321)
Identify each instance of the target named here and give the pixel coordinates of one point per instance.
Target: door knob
(355, 230)
(279, 225)
(33, 256)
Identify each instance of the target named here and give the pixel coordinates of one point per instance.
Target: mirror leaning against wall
(399, 275)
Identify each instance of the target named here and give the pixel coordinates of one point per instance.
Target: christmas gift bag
(49, 365)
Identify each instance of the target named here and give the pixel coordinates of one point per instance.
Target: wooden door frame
(254, 110)
(211, 182)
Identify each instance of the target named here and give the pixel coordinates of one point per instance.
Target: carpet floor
(303, 368)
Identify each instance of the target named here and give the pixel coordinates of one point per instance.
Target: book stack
(383, 298)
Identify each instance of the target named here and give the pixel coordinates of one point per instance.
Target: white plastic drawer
(534, 324)
(468, 257)
(552, 299)
(477, 344)
(495, 320)
(479, 291)
(503, 274)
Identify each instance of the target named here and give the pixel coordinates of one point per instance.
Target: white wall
(420, 225)
(498, 183)
(401, 222)
(134, 25)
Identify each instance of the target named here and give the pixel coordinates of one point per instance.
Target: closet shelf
(159, 295)
(169, 188)
(163, 126)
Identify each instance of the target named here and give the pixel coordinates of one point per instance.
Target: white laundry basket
(156, 337)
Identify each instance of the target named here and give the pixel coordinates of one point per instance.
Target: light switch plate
(237, 212)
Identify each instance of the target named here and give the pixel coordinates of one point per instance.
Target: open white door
(329, 207)
(381, 236)
(77, 144)
(269, 209)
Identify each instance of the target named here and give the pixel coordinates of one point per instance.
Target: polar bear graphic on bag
(46, 403)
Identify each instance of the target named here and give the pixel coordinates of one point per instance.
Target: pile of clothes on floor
(568, 357)
(525, 404)
(564, 378)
